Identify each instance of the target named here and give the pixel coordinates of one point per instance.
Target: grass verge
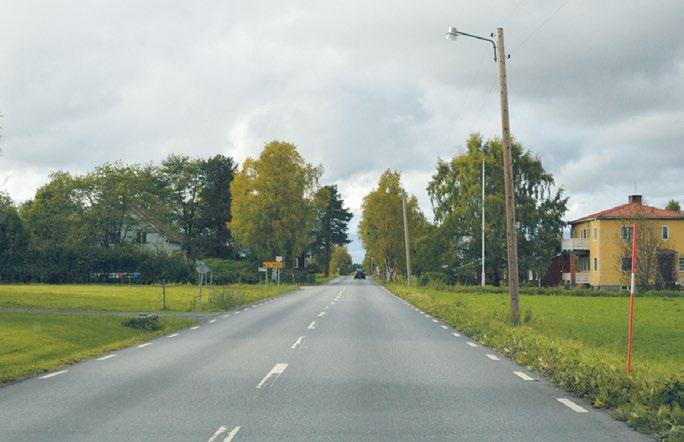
(148, 298)
(32, 343)
(578, 343)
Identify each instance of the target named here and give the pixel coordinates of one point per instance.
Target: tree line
(449, 248)
(79, 225)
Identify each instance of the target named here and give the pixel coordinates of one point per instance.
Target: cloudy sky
(596, 88)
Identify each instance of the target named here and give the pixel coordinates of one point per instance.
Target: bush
(144, 322)
(229, 271)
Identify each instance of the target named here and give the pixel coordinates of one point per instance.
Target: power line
(512, 12)
(532, 34)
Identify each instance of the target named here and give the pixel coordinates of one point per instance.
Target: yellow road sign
(273, 265)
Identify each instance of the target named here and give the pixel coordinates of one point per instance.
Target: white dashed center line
(104, 358)
(312, 325)
(492, 357)
(321, 314)
(523, 376)
(472, 344)
(570, 404)
(195, 327)
(272, 375)
(297, 342)
(144, 345)
(51, 375)
(229, 437)
(173, 335)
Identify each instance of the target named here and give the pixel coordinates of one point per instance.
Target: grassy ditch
(32, 343)
(579, 343)
(134, 298)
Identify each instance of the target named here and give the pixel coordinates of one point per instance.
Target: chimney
(635, 199)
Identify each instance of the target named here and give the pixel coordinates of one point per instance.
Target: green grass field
(33, 342)
(598, 323)
(580, 344)
(179, 298)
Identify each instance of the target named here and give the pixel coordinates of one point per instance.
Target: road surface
(346, 361)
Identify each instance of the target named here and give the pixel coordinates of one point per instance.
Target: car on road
(359, 274)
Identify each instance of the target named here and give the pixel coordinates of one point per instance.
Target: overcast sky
(596, 88)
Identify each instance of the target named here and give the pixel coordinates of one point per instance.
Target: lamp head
(452, 33)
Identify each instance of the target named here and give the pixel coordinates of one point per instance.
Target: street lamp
(511, 235)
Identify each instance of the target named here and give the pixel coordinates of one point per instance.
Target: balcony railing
(580, 278)
(575, 244)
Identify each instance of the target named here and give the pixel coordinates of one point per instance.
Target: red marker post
(631, 299)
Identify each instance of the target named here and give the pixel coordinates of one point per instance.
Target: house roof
(159, 226)
(632, 210)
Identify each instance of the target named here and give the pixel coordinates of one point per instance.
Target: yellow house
(598, 248)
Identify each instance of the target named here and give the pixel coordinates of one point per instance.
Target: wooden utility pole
(511, 235)
(406, 239)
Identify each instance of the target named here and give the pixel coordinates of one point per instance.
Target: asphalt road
(345, 361)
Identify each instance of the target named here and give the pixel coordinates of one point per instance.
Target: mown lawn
(180, 298)
(580, 344)
(33, 342)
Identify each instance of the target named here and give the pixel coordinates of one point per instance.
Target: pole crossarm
(454, 32)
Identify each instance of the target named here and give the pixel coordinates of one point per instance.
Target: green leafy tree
(273, 212)
(455, 192)
(673, 205)
(382, 227)
(13, 241)
(113, 193)
(180, 182)
(340, 261)
(331, 226)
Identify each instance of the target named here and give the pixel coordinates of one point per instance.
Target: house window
(585, 233)
(626, 232)
(141, 237)
(596, 264)
(583, 264)
(626, 264)
(681, 263)
(665, 232)
(595, 232)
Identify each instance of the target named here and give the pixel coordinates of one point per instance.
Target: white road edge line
(297, 342)
(312, 325)
(232, 434)
(434, 320)
(212, 321)
(493, 357)
(472, 344)
(104, 358)
(144, 345)
(444, 327)
(195, 327)
(276, 371)
(57, 373)
(456, 334)
(173, 335)
(226, 315)
(523, 376)
(570, 404)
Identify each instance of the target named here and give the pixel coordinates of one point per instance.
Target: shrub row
(650, 402)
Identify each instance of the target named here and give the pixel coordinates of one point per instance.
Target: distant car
(359, 274)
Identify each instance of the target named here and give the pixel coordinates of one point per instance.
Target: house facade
(152, 235)
(596, 254)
